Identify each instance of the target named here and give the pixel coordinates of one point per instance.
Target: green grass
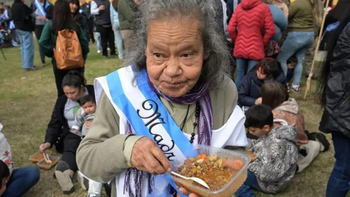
(27, 99)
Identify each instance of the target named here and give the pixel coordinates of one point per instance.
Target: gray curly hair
(215, 67)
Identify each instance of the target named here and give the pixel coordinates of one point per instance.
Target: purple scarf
(198, 94)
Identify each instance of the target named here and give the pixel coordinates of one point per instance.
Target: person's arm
(94, 9)
(125, 10)
(45, 41)
(269, 27)
(54, 128)
(85, 26)
(79, 120)
(232, 27)
(281, 21)
(104, 152)
(83, 41)
(244, 98)
(281, 78)
(293, 9)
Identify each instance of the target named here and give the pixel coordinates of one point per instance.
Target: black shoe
(316, 136)
(105, 57)
(114, 56)
(31, 68)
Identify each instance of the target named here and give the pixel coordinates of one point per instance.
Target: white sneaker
(84, 182)
(98, 51)
(94, 189)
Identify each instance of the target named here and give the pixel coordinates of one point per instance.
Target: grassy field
(27, 99)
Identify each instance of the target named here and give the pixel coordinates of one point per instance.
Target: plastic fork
(47, 158)
(195, 179)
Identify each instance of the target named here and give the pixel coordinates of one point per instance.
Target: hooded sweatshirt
(289, 111)
(250, 19)
(277, 155)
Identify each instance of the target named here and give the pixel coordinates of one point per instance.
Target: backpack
(68, 52)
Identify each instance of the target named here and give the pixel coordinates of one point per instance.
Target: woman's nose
(173, 68)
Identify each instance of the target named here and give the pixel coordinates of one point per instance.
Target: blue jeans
(22, 179)
(295, 44)
(118, 40)
(251, 182)
(290, 75)
(27, 48)
(98, 41)
(339, 181)
(241, 67)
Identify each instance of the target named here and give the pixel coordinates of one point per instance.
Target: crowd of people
(208, 72)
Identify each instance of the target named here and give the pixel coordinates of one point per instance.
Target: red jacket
(250, 19)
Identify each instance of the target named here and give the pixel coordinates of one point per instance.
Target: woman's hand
(184, 191)
(44, 146)
(258, 101)
(147, 156)
(42, 18)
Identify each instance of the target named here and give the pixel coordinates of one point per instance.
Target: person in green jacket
(127, 10)
(62, 19)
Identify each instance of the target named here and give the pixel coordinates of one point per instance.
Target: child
(267, 69)
(85, 113)
(276, 151)
(291, 62)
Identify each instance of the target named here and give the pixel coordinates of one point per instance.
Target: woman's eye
(158, 55)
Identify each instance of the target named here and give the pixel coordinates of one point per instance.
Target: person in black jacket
(249, 93)
(21, 15)
(335, 88)
(85, 10)
(101, 10)
(79, 17)
(59, 131)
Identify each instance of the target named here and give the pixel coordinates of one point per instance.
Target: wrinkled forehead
(176, 21)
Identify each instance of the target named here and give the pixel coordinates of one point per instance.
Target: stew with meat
(215, 171)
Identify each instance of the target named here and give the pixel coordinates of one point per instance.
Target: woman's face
(73, 93)
(175, 55)
(260, 74)
(73, 7)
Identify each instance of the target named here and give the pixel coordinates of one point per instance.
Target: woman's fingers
(44, 146)
(148, 157)
(162, 159)
(185, 192)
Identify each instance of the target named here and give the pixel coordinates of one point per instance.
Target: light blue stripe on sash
(120, 99)
(40, 8)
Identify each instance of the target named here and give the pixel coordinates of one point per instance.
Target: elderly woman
(175, 94)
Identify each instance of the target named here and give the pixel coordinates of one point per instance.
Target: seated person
(86, 113)
(267, 69)
(275, 95)
(83, 119)
(14, 182)
(276, 151)
(60, 132)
